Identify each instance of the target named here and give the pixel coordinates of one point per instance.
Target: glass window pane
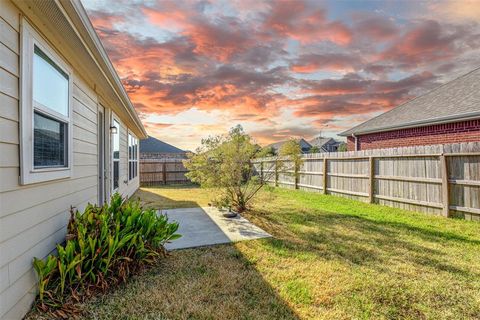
(50, 83)
(116, 172)
(49, 142)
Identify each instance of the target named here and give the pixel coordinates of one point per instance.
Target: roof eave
(110, 72)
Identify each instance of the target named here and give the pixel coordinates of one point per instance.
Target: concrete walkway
(207, 226)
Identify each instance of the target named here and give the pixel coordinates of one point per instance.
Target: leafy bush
(293, 151)
(225, 163)
(104, 246)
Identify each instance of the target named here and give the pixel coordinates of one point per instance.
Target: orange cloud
(330, 61)
(295, 19)
(177, 56)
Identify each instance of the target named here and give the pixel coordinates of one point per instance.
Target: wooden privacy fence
(155, 172)
(438, 179)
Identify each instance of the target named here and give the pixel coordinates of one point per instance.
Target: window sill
(45, 175)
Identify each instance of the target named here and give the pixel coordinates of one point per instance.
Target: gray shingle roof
(154, 145)
(453, 101)
(303, 144)
(320, 141)
(325, 144)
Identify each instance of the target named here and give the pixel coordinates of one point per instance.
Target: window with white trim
(132, 157)
(46, 128)
(116, 155)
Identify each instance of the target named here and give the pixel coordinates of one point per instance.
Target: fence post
(371, 185)
(164, 172)
(325, 174)
(276, 173)
(296, 175)
(445, 186)
(261, 172)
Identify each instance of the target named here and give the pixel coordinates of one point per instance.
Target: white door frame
(102, 163)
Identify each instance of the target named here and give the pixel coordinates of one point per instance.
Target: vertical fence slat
(276, 173)
(325, 175)
(371, 182)
(261, 172)
(445, 186)
(438, 179)
(295, 176)
(162, 171)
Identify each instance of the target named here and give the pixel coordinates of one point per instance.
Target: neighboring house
(152, 148)
(450, 113)
(68, 135)
(303, 144)
(325, 144)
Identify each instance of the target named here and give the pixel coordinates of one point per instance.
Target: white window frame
(134, 157)
(112, 123)
(28, 173)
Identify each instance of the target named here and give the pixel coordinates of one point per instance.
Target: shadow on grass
(359, 240)
(149, 198)
(203, 283)
(216, 282)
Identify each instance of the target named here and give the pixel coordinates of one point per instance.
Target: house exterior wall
(33, 217)
(126, 188)
(465, 131)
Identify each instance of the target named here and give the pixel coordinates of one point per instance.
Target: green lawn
(330, 258)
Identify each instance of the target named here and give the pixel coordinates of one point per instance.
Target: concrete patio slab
(207, 226)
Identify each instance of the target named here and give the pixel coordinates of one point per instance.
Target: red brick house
(450, 113)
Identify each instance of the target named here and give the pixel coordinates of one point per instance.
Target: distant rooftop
(453, 101)
(303, 144)
(153, 145)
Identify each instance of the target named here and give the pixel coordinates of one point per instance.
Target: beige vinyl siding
(11, 15)
(8, 59)
(33, 217)
(9, 154)
(9, 109)
(9, 33)
(126, 188)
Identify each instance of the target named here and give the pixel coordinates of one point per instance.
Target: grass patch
(330, 258)
(174, 196)
(298, 291)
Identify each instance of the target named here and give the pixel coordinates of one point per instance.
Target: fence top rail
(462, 154)
(161, 160)
(380, 156)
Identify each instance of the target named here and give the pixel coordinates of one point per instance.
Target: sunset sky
(280, 68)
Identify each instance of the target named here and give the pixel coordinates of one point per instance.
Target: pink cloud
(295, 19)
(262, 60)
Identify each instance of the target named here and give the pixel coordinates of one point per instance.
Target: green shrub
(104, 245)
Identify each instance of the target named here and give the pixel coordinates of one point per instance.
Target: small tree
(314, 149)
(293, 150)
(342, 147)
(225, 163)
(267, 152)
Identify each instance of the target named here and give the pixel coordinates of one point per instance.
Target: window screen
(49, 142)
(132, 157)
